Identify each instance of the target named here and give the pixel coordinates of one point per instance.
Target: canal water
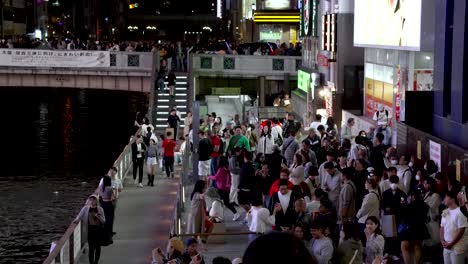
(56, 144)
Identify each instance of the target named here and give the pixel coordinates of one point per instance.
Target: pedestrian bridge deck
(142, 221)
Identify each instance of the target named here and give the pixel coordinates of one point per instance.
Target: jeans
(180, 64)
(387, 132)
(169, 165)
(225, 197)
(138, 166)
(450, 257)
(214, 165)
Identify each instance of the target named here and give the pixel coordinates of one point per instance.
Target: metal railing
(249, 65)
(69, 247)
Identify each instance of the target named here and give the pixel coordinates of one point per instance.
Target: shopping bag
(434, 228)
(389, 228)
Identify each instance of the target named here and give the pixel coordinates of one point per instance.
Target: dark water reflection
(56, 145)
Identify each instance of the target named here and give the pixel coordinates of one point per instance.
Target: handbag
(403, 230)
(434, 231)
(388, 226)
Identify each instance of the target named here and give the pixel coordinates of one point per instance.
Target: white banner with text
(54, 58)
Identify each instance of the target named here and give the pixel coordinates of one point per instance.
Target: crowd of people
(348, 198)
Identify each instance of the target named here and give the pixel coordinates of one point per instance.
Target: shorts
(151, 161)
(204, 167)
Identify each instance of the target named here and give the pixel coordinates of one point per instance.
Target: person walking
(217, 149)
(92, 218)
(151, 162)
(266, 142)
(107, 195)
(205, 148)
(169, 145)
(171, 82)
(290, 147)
(173, 121)
(138, 156)
(222, 179)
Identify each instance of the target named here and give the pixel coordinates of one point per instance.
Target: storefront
(397, 58)
(277, 26)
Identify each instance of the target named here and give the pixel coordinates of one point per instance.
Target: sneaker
(236, 216)
(140, 185)
(135, 182)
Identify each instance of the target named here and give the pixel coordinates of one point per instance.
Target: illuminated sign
(276, 17)
(219, 9)
(303, 80)
(309, 17)
(329, 23)
(394, 24)
(277, 4)
(132, 6)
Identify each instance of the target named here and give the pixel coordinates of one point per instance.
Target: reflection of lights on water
(67, 118)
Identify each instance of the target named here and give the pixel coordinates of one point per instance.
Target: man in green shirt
(238, 140)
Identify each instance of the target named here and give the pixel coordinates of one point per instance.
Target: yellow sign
(419, 149)
(458, 169)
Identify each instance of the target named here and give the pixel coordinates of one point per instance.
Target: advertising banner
(394, 24)
(55, 58)
(435, 153)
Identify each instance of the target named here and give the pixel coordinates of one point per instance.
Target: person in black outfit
(286, 217)
(415, 217)
(173, 121)
(274, 163)
(171, 83)
(205, 148)
(378, 153)
(394, 199)
(246, 182)
(138, 156)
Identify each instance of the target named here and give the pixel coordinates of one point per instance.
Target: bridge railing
(18, 59)
(70, 246)
(249, 65)
(131, 60)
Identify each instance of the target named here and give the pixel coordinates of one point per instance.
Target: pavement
(142, 221)
(233, 246)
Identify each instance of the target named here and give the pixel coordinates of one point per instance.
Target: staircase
(164, 103)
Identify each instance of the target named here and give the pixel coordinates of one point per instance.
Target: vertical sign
(434, 153)
(398, 95)
(309, 19)
(458, 169)
(418, 149)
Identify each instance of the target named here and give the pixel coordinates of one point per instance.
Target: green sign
(303, 80)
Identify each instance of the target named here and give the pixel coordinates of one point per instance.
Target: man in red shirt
(217, 150)
(169, 145)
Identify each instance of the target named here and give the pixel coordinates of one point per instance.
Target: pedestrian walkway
(142, 221)
(233, 246)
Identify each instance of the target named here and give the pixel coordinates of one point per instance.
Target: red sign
(398, 96)
(322, 60)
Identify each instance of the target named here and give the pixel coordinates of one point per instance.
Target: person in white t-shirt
(383, 117)
(259, 219)
(452, 230)
(316, 123)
